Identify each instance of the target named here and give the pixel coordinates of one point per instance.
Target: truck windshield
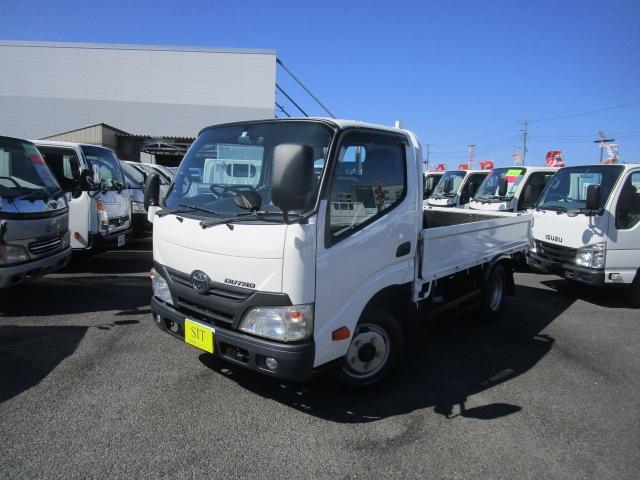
(134, 177)
(106, 167)
(456, 177)
(23, 172)
(489, 191)
(568, 188)
(228, 159)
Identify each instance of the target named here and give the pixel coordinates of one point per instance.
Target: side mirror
(593, 197)
(503, 187)
(447, 186)
(292, 176)
(86, 182)
(152, 191)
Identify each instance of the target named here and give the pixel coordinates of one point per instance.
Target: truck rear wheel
(376, 346)
(493, 292)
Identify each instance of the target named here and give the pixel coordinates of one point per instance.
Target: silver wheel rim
(496, 294)
(368, 352)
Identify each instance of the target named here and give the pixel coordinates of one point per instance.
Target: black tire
(380, 326)
(493, 293)
(633, 292)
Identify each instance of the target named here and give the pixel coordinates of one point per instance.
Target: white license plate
(121, 240)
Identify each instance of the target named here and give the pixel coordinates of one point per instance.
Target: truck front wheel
(493, 292)
(376, 346)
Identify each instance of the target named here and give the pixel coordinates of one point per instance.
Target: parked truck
(456, 188)
(586, 227)
(100, 206)
(34, 216)
(269, 276)
(511, 189)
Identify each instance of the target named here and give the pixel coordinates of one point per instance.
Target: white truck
(99, 204)
(511, 189)
(586, 227)
(268, 277)
(456, 188)
(34, 216)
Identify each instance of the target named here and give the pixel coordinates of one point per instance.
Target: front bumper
(102, 242)
(295, 361)
(16, 274)
(588, 276)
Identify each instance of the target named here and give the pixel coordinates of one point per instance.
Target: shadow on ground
(448, 364)
(609, 297)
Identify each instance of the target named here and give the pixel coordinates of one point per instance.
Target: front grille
(216, 290)
(42, 247)
(117, 221)
(556, 252)
(201, 312)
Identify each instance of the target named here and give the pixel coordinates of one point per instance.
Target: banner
(519, 158)
(463, 166)
(486, 164)
(441, 167)
(554, 158)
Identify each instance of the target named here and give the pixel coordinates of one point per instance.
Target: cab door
(366, 230)
(66, 165)
(623, 249)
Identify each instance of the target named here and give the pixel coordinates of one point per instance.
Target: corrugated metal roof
(119, 46)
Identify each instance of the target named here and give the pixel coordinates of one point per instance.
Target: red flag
(486, 164)
(554, 158)
(441, 167)
(463, 166)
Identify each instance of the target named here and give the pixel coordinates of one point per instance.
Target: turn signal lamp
(340, 334)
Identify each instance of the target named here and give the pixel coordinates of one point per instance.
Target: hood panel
(116, 204)
(574, 232)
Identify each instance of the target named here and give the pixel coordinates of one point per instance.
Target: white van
(586, 226)
(431, 180)
(456, 188)
(99, 204)
(512, 189)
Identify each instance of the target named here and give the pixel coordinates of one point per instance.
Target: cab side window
(535, 183)
(628, 209)
(368, 180)
(65, 165)
(471, 187)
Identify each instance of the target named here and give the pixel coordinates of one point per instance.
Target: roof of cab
(57, 143)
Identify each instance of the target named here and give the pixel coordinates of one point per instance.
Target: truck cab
(511, 189)
(34, 216)
(318, 257)
(587, 226)
(99, 203)
(135, 179)
(456, 188)
(431, 179)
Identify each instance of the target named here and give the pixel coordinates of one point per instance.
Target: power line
(291, 100)
(305, 88)
(281, 108)
(573, 115)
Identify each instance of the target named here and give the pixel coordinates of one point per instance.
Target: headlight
(280, 323)
(65, 240)
(592, 256)
(160, 287)
(138, 207)
(12, 254)
(103, 217)
(533, 247)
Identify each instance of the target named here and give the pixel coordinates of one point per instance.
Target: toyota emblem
(200, 281)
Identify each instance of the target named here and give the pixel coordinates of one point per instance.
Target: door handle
(403, 249)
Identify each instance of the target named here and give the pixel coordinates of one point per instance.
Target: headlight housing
(103, 217)
(286, 324)
(592, 256)
(10, 254)
(65, 240)
(533, 246)
(138, 207)
(160, 287)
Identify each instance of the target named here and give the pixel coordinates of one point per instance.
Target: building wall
(48, 88)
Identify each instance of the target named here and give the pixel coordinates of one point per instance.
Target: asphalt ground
(90, 388)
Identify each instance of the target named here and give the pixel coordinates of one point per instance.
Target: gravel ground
(89, 388)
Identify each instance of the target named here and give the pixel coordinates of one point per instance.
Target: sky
(454, 72)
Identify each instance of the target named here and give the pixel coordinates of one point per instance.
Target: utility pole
(525, 135)
(428, 151)
(602, 141)
(472, 155)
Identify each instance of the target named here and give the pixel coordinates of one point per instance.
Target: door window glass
(368, 180)
(64, 164)
(628, 210)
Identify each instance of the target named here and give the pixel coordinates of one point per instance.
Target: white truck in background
(511, 189)
(269, 277)
(34, 216)
(456, 188)
(586, 227)
(99, 204)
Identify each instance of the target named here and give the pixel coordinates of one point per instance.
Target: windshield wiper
(30, 194)
(260, 216)
(185, 209)
(198, 208)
